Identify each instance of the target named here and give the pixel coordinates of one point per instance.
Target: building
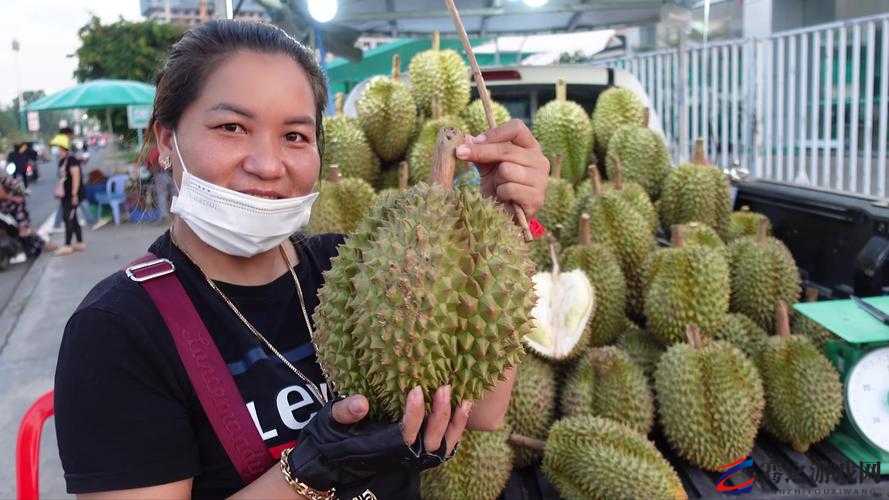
(192, 12)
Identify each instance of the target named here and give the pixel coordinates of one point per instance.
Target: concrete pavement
(30, 332)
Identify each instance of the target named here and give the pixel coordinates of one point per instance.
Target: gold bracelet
(300, 487)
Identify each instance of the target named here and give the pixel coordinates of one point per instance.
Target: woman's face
(251, 129)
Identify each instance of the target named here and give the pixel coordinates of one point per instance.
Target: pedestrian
(161, 183)
(13, 203)
(246, 155)
(70, 193)
(20, 158)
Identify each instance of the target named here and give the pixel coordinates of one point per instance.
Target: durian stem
(646, 117)
(585, 238)
(436, 108)
(677, 235)
(396, 66)
(527, 442)
(404, 173)
(444, 160)
(339, 103)
(595, 179)
(693, 334)
(618, 174)
(699, 157)
(561, 90)
(333, 175)
(556, 170)
(762, 231)
(811, 294)
(782, 319)
(486, 101)
(553, 257)
(436, 40)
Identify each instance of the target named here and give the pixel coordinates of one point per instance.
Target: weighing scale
(860, 352)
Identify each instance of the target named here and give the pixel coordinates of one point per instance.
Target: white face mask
(236, 223)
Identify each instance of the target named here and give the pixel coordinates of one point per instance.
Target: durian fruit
(441, 74)
(618, 225)
(687, 284)
(563, 128)
(565, 303)
(559, 201)
(744, 222)
(614, 108)
(387, 114)
(532, 405)
(479, 470)
(696, 191)
(710, 401)
(475, 119)
(643, 155)
(607, 383)
(641, 346)
(589, 458)
(423, 149)
(342, 203)
(433, 288)
(743, 332)
(763, 272)
(346, 145)
(700, 234)
(635, 196)
(802, 325)
(602, 268)
(804, 398)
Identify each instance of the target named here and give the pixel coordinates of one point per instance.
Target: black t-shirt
(127, 415)
(66, 164)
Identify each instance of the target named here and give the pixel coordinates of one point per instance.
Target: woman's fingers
(437, 422)
(350, 410)
(514, 131)
(508, 172)
(492, 153)
(414, 411)
(528, 197)
(457, 426)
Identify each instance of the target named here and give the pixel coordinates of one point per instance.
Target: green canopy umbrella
(97, 94)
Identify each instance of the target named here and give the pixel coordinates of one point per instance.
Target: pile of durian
(613, 337)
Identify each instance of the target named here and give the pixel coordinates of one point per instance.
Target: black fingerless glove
(361, 456)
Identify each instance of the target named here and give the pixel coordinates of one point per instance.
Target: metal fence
(807, 106)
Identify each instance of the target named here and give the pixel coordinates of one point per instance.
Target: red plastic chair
(27, 448)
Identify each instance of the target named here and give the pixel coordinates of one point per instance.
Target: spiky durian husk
(432, 289)
(710, 402)
(614, 108)
(440, 74)
(605, 382)
(557, 206)
(340, 206)
(602, 268)
(804, 398)
(420, 157)
(688, 285)
(643, 157)
(345, 145)
(474, 116)
(587, 458)
(641, 346)
(806, 327)
(563, 128)
(639, 199)
(761, 275)
(386, 112)
(743, 222)
(479, 471)
(532, 405)
(743, 332)
(699, 193)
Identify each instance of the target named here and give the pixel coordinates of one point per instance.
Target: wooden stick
(444, 160)
(404, 173)
(486, 100)
(585, 238)
(527, 442)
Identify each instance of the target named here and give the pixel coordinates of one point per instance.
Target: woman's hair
(202, 49)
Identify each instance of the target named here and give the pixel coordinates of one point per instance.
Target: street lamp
(323, 10)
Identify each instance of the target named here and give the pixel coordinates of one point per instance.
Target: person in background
(19, 157)
(161, 181)
(72, 194)
(14, 204)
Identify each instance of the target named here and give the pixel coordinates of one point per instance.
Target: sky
(47, 33)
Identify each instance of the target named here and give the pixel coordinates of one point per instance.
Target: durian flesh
(565, 303)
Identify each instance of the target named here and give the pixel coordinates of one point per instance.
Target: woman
(13, 204)
(72, 194)
(237, 118)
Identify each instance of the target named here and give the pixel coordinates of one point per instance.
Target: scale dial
(867, 397)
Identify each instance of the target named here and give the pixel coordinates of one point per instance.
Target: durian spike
(595, 179)
(444, 160)
(646, 117)
(782, 320)
(486, 101)
(556, 170)
(762, 231)
(677, 235)
(699, 156)
(339, 103)
(618, 174)
(561, 90)
(404, 173)
(693, 335)
(811, 294)
(527, 442)
(333, 175)
(396, 66)
(436, 40)
(583, 229)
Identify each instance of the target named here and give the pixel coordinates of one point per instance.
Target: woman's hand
(511, 164)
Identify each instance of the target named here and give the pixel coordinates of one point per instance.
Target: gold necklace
(316, 391)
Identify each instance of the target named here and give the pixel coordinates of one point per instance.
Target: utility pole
(16, 48)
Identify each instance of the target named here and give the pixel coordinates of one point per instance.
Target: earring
(166, 162)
